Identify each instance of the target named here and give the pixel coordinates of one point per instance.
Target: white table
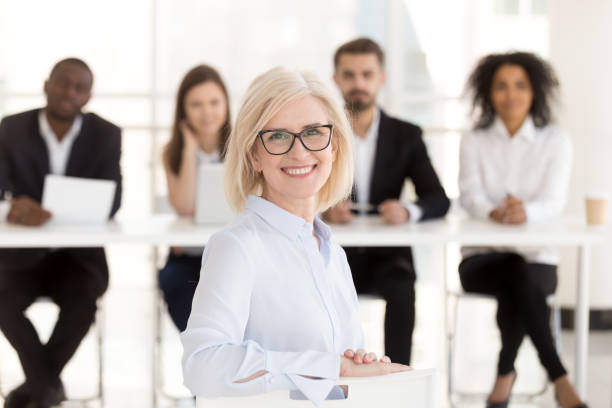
(413, 388)
(369, 231)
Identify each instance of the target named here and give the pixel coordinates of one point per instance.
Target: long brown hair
(174, 149)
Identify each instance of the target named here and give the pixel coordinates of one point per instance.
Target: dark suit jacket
(400, 155)
(24, 162)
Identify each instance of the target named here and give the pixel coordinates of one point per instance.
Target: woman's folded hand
(363, 364)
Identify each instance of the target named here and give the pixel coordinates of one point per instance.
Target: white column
(580, 51)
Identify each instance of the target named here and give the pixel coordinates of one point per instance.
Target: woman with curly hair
(514, 169)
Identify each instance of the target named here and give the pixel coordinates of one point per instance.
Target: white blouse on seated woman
(535, 165)
(270, 299)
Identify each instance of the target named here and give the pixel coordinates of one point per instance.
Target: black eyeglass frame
(296, 135)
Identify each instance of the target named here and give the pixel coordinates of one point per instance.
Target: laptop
(211, 207)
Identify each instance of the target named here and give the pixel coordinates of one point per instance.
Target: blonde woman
(276, 307)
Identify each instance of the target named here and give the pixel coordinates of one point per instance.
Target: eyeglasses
(277, 141)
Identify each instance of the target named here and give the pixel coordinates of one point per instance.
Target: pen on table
(365, 207)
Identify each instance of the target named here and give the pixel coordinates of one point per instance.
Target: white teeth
(295, 172)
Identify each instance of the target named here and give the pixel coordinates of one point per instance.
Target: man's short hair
(360, 46)
(71, 60)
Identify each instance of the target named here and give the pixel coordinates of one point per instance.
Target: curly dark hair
(544, 84)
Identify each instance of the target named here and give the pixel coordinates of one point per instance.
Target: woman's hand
(362, 357)
(515, 211)
(190, 140)
(348, 368)
(362, 364)
(511, 211)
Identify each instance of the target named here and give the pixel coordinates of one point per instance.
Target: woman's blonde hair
(266, 96)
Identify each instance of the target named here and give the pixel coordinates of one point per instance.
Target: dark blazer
(24, 162)
(400, 155)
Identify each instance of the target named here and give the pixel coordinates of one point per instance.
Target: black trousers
(73, 289)
(178, 281)
(521, 289)
(388, 272)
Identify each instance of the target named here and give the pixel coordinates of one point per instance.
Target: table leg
(581, 318)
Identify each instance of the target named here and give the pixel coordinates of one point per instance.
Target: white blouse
(269, 299)
(534, 165)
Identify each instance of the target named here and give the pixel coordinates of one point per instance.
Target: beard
(358, 105)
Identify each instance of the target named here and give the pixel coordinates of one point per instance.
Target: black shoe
(51, 396)
(581, 405)
(503, 404)
(18, 398)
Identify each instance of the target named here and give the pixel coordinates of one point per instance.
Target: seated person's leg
(178, 281)
(395, 278)
(493, 274)
(388, 272)
(532, 290)
(362, 275)
(75, 289)
(18, 290)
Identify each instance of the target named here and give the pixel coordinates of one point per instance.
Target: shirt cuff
(309, 363)
(536, 211)
(416, 212)
(298, 367)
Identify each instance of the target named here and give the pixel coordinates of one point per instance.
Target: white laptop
(211, 207)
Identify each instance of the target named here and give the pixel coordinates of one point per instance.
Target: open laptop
(211, 207)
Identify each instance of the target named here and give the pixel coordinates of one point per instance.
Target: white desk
(169, 230)
(413, 388)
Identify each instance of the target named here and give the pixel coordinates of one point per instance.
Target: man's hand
(25, 211)
(393, 212)
(339, 213)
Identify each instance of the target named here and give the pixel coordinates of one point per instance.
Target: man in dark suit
(57, 139)
(388, 151)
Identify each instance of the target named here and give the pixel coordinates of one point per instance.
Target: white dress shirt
(365, 148)
(534, 165)
(59, 151)
(270, 299)
(364, 153)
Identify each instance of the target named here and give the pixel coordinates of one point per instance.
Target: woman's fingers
(359, 355)
(370, 357)
(385, 359)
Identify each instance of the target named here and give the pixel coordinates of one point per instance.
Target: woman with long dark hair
(515, 169)
(199, 133)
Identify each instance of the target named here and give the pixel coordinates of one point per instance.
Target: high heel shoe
(581, 405)
(504, 404)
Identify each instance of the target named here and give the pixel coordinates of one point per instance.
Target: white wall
(580, 50)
